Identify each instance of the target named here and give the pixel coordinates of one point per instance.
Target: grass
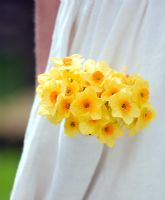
(9, 158)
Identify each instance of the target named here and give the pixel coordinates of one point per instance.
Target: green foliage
(12, 76)
(9, 158)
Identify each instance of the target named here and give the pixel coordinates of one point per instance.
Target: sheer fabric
(54, 167)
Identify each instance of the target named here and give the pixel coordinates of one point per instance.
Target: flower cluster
(94, 99)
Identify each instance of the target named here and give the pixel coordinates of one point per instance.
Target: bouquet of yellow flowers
(94, 99)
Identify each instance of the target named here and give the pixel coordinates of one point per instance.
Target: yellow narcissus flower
(131, 79)
(146, 116)
(96, 72)
(43, 78)
(111, 87)
(89, 66)
(70, 88)
(123, 107)
(109, 133)
(118, 75)
(70, 62)
(71, 126)
(104, 68)
(63, 107)
(140, 91)
(87, 105)
(53, 118)
(61, 110)
(92, 127)
(55, 74)
(48, 94)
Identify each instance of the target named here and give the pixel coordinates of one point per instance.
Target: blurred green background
(17, 76)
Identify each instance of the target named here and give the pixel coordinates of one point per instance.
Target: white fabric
(55, 167)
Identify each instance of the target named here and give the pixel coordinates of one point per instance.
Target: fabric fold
(55, 167)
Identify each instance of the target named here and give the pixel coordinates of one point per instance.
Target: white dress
(55, 167)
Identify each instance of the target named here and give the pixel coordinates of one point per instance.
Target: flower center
(93, 121)
(106, 104)
(53, 96)
(69, 91)
(99, 94)
(144, 94)
(67, 61)
(66, 105)
(147, 115)
(109, 129)
(72, 124)
(86, 104)
(113, 91)
(97, 76)
(126, 106)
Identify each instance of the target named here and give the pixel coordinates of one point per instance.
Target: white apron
(55, 167)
